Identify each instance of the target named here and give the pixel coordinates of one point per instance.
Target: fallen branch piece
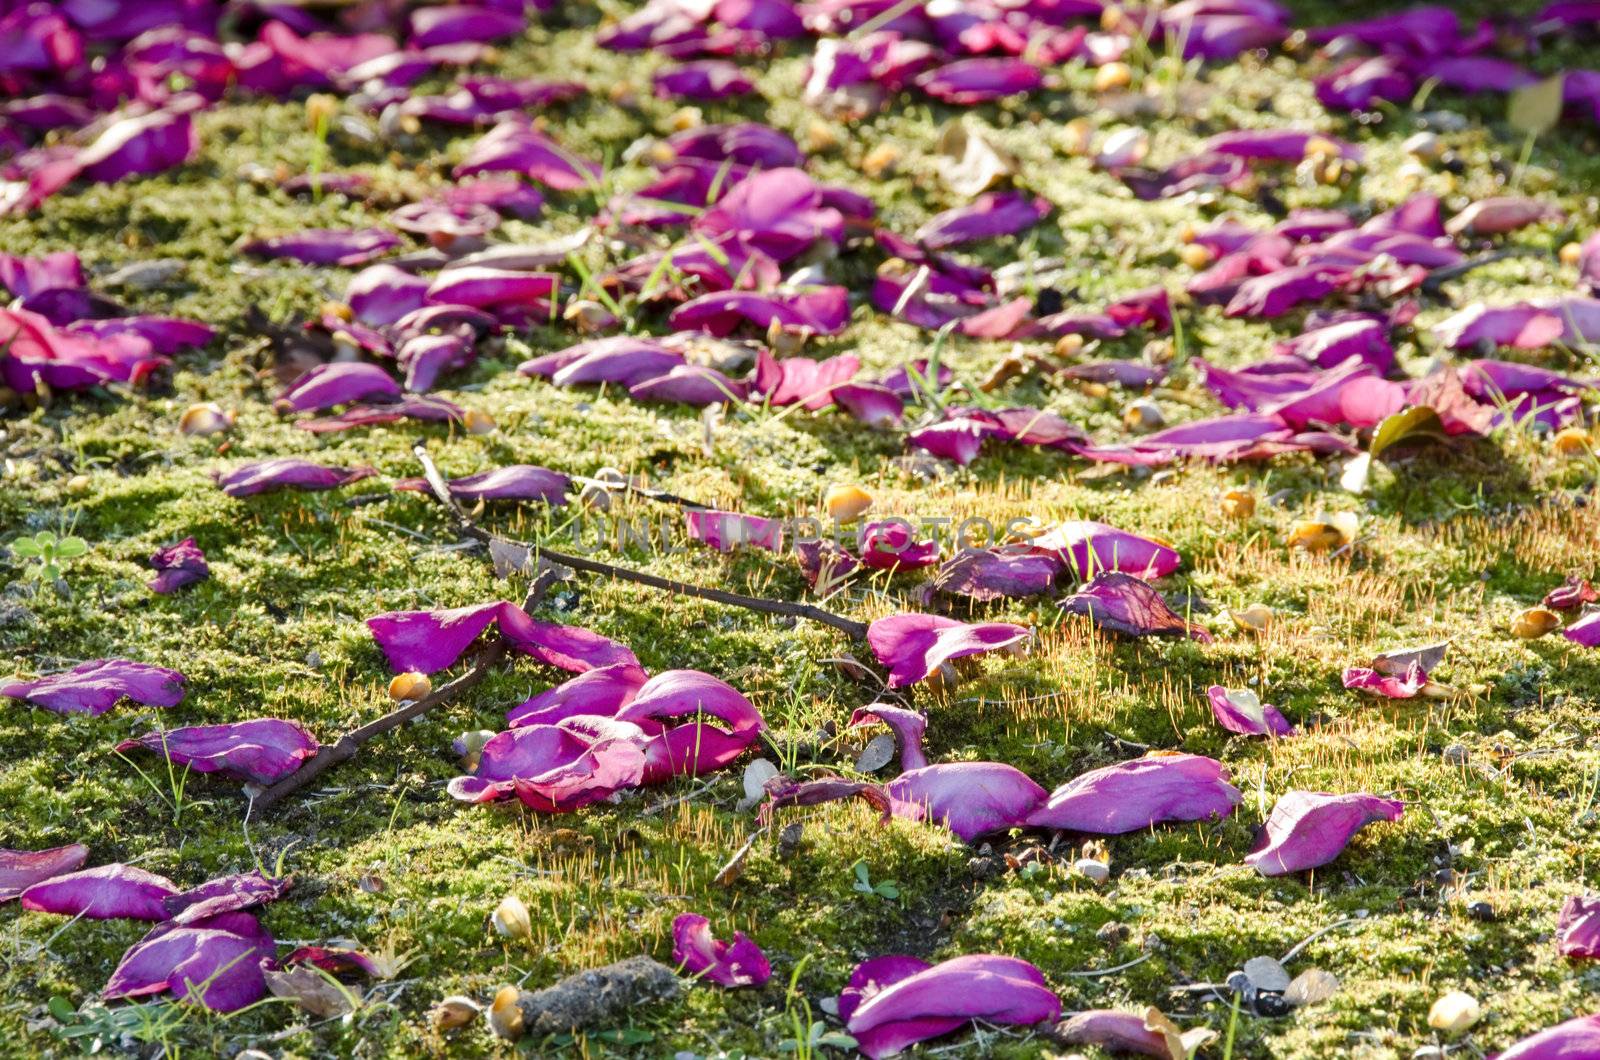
(441, 493)
(597, 996)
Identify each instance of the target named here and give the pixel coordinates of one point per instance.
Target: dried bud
(453, 1013)
(1239, 504)
(1195, 255)
(205, 418)
(1573, 441)
(511, 919)
(845, 503)
(409, 687)
(1534, 622)
(880, 161)
(1113, 76)
(1257, 619)
(1454, 1012)
(478, 422)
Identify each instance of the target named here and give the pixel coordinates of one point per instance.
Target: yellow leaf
(1536, 108)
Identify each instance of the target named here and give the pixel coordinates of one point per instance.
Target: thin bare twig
(441, 493)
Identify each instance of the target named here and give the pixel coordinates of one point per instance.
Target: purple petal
(1130, 796)
(995, 214)
(739, 963)
(226, 894)
(429, 641)
(968, 81)
(997, 574)
(888, 1013)
(426, 409)
(426, 357)
(1502, 214)
(801, 380)
(1328, 346)
(779, 212)
(105, 892)
(514, 146)
(1527, 325)
(725, 531)
(178, 565)
(455, 23)
(908, 725)
(164, 334)
(1573, 1040)
(1089, 548)
(1394, 687)
(338, 383)
(259, 751)
(96, 686)
(602, 692)
(25, 277)
(1126, 604)
(689, 384)
(1585, 631)
(485, 287)
(708, 79)
(913, 646)
(264, 476)
(516, 482)
(1274, 145)
(139, 146)
(1240, 710)
(1307, 829)
(871, 403)
(327, 246)
(225, 953)
(335, 960)
(743, 143)
(1578, 929)
(694, 747)
(21, 869)
(969, 798)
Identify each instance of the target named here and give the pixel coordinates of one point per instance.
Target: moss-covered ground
(1463, 892)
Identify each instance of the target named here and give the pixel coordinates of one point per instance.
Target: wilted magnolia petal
(736, 963)
(913, 646)
(429, 641)
(725, 531)
(1401, 686)
(1307, 829)
(990, 215)
(689, 384)
(226, 894)
(264, 476)
(893, 1002)
(694, 747)
(814, 311)
(708, 79)
(339, 383)
(969, 798)
(1124, 1032)
(1578, 929)
(483, 287)
(968, 81)
(220, 958)
(95, 687)
(178, 565)
(1575, 1039)
(1089, 548)
(997, 574)
(801, 380)
(1526, 325)
(139, 146)
(381, 294)
(1241, 710)
(455, 23)
(515, 482)
(908, 725)
(260, 751)
(890, 544)
(337, 960)
(1501, 214)
(558, 768)
(601, 692)
(615, 359)
(1276, 145)
(1133, 795)
(410, 407)
(824, 564)
(326, 246)
(1585, 631)
(105, 892)
(1127, 605)
(21, 869)
(871, 403)
(514, 146)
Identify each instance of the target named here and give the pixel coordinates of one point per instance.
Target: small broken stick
(597, 996)
(346, 747)
(441, 493)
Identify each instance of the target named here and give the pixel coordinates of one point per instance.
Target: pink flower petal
(105, 892)
(21, 869)
(1307, 829)
(1134, 795)
(259, 751)
(736, 963)
(913, 646)
(96, 686)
